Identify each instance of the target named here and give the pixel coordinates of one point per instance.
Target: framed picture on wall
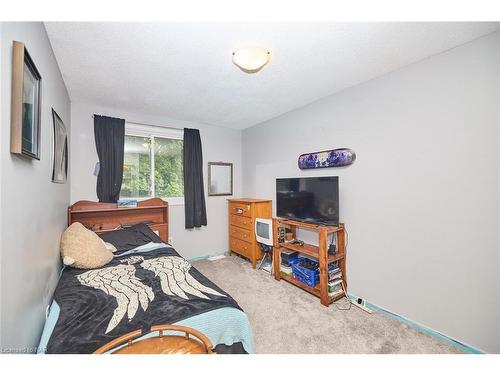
(60, 150)
(25, 104)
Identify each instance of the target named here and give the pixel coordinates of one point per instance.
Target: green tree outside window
(141, 153)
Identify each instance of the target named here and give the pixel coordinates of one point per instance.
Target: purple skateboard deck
(340, 157)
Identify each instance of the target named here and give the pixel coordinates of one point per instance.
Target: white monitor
(264, 231)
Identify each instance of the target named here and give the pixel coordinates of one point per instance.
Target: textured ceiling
(184, 70)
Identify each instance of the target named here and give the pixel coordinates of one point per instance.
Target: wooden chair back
(167, 344)
(126, 338)
(188, 331)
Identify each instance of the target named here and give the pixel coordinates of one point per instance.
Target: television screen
(263, 230)
(314, 199)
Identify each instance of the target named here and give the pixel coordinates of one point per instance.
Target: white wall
(421, 202)
(33, 209)
(219, 144)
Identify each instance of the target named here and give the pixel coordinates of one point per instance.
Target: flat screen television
(310, 199)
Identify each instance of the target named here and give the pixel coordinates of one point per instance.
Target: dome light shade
(251, 59)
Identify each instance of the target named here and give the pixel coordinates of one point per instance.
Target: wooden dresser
(242, 214)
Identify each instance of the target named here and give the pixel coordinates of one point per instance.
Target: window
(152, 165)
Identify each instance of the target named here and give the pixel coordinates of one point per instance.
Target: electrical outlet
(47, 311)
(171, 240)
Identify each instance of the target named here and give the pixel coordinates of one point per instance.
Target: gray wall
(33, 209)
(1, 153)
(219, 144)
(421, 202)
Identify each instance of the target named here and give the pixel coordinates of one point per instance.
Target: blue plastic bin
(306, 271)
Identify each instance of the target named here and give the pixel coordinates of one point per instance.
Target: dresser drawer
(241, 221)
(240, 209)
(240, 233)
(240, 247)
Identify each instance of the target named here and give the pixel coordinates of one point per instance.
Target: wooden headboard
(102, 217)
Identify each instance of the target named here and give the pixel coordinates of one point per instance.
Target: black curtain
(109, 136)
(194, 195)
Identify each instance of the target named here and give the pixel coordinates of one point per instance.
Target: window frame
(150, 131)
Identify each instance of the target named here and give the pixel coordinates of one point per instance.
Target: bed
(147, 283)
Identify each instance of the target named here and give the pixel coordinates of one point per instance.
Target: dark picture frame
(217, 181)
(25, 114)
(59, 150)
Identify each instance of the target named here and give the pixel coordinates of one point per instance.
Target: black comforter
(135, 290)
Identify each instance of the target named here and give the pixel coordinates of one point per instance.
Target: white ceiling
(184, 70)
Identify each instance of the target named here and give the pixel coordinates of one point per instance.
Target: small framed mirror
(220, 178)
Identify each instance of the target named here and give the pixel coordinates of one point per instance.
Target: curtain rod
(141, 123)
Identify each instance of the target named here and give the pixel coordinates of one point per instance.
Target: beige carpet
(286, 319)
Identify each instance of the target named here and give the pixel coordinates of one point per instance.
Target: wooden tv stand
(319, 252)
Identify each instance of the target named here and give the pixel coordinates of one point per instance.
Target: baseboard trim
(204, 257)
(195, 259)
(429, 331)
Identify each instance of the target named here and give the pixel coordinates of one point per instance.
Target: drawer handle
(245, 235)
(239, 210)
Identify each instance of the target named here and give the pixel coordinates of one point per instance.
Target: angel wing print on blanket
(175, 279)
(120, 282)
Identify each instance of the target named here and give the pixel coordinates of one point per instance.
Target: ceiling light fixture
(251, 59)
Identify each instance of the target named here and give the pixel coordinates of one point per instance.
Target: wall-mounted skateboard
(340, 157)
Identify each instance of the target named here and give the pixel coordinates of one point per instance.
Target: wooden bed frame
(102, 217)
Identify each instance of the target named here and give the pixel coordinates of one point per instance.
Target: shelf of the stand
(314, 291)
(310, 250)
(336, 296)
(311, 226)
(301, 285)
